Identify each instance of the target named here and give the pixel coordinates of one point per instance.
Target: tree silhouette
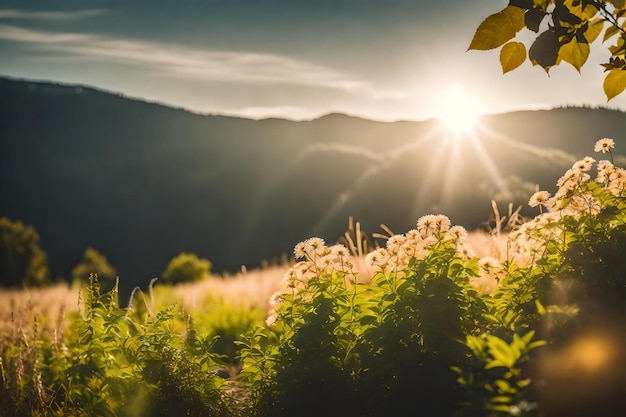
(22, 261)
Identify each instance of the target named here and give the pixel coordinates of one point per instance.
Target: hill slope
(142, 182)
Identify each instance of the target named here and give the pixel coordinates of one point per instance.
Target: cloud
(73, 15)
(340, 148)
(283, 112)
(181, 61)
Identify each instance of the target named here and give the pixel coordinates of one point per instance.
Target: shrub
(93, 262)
(186, 267)
(22, 261)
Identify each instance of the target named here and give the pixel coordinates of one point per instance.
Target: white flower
(583, 165)
(426, 225)
(458, 233)
(394, 243)
(340, 252)
(313, 245)
(376, 258)
(539, 199)
(299, 250)
(604, 145)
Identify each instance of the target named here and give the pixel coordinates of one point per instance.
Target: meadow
(527, 320)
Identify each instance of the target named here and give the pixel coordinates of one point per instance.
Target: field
(528, 320)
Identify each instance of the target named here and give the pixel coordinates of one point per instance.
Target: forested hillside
(142, 182)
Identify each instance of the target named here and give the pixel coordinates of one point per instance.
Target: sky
(296, 59)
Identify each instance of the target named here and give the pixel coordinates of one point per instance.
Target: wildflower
(271, 318)
(583, 165)
(604, 145)
(340, 252)
(465, 250)
(276, 299)
(539, 199)
(617, 181)
(605, 168)
(443, 223)
(394, 243)
(571, 179)
(312, 245)
(413, 236)
(376, 258)
(299, 250)
(490, 264)
(432, 224)
(458, 233)
(426, 225)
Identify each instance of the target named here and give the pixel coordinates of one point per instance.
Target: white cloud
(181, 61)
(283, 112)
(73, 15)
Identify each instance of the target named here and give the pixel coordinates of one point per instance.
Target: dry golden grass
(247, 289)
(49, 305)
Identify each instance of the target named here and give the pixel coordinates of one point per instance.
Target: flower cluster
(417, 244)
(316, 260)
(574, 197)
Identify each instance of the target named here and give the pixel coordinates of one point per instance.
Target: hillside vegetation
(424, 325)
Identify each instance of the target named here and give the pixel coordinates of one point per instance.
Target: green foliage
(114, 364)
(22, 261)
(565, 30)
(186, 267)
(93, 262)
(385, 347)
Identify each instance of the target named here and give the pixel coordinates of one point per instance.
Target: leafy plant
(186, 267)
(565, 31)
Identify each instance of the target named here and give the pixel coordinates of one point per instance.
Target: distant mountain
(142, 182)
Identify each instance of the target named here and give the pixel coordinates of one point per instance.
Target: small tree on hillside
(93, 262)
(186, 267)
(22, 261)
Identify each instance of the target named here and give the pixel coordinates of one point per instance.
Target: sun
(458, 111)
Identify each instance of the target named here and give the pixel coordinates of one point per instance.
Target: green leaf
(498, 29)
(540, 308)
(614, 83)
(545, 50)
(576, 53)
(512, 55)
(501, 351)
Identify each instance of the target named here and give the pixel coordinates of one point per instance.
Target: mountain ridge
(142, 182)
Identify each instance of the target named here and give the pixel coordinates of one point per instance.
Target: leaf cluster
(564, 30)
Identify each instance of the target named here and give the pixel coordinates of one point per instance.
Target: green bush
(93, 262)
(186, 267)
(22, 261)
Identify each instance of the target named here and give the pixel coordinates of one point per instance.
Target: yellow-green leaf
(498, 29)
(512, 55)
(574, 52)
(610, 32)
(587, 12)
(614, 83)
(594, 29)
